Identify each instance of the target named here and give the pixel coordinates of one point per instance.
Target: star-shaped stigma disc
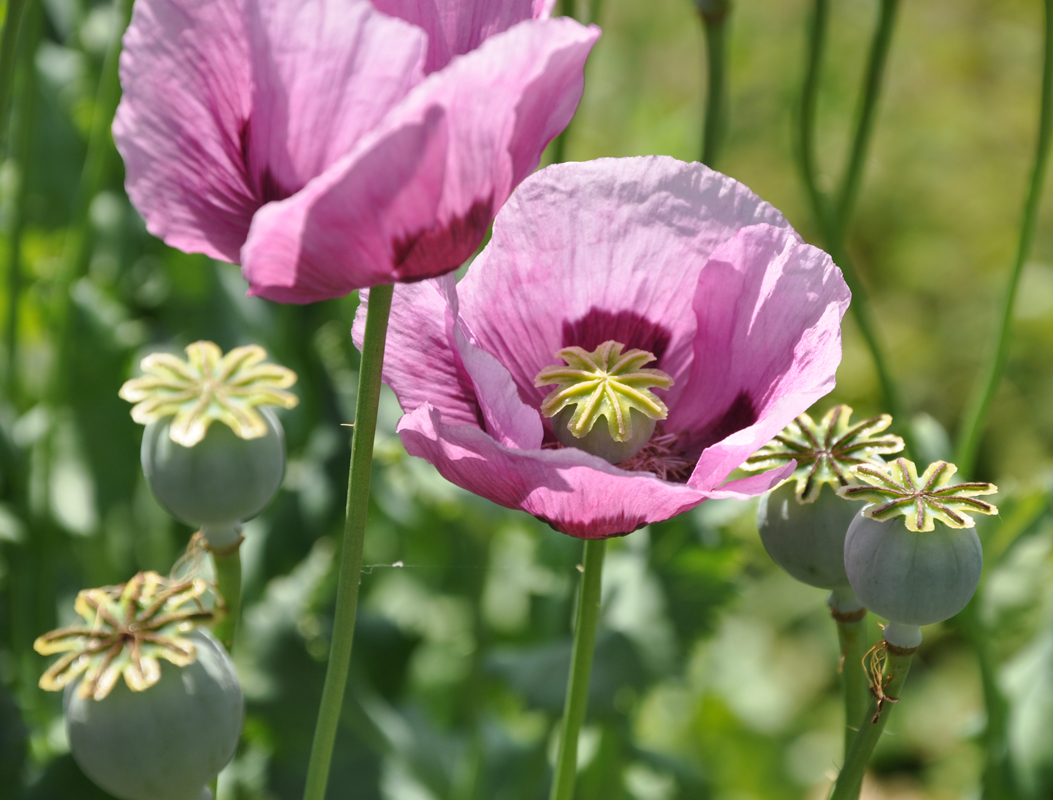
(827, 451)
(896, 490)
(126, 629)
(604, 383)
(209, 387)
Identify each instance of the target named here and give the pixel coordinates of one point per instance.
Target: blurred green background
(716, 674)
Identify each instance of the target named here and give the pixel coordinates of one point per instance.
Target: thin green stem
(852, 633)
(354, 536)
(580, 670)
(23, 141)
(875, 73)
(833, 220)
(714, 23)
(8, 50)
(228, 584)
(983, 395)
(850, 779)
(809, 108)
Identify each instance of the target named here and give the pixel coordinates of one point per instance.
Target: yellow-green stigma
(604, 383)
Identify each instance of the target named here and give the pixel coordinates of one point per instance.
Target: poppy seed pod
(204, 473)
(912, 577)
(803, 527)
(222, 479)
(918, 572)
(806, 539)
(167, 742)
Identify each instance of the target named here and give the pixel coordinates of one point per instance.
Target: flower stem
(8, 49)
(852, 633)
(226, 558)
(850, 780)
(983, 394)
(354, 535)
(580, 670)
(852, 178)
(714, 23)
(832, 219)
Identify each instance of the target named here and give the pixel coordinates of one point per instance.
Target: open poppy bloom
(327, 146)
(634, 330)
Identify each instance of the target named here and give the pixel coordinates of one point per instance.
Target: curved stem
(809, 106)
(852, 178)
(833, 222)
(850, 778)
(714, 23)
(8, 49)
(354, 536)
(983, 395)
(580, 670)
(23, 141)
(852, 633)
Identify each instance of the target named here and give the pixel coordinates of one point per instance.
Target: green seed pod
(167, 742)
(220, 480)
(912, 577)
(599, 441)
(913, 571)
(806, 539)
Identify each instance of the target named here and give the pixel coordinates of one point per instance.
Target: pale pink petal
(768, 344)
(606, 249)
(421, 364)
(229, 105)
(326, 72)
(456, 27)
(509, 420)
(345, 228)
(501, 105)
(574, 492)
(185, 71)
(752, 485)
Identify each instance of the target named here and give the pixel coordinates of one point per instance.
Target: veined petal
(421, 363)
(769, 311)
(456, 27)
(576, 493)
(229, 105)
(325, 72)
(603, 250)
(187, 83)
(416, 202)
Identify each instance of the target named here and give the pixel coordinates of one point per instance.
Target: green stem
(23, 142)
(809, 109)
(580, 670)
(850, 778)
(833, 221)
(853, 175)
(228, 584)
(983, 395)
(8, 49)
(852, 633)
(714, 23)
(354, 536)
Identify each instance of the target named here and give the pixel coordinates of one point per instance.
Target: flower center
(604, 383)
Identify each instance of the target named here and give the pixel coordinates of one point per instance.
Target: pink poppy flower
(669, 258)
(327, 146)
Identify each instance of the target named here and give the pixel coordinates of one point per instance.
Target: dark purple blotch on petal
(434, 252)
(740, 414)
(265, 186)
(625, 327)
